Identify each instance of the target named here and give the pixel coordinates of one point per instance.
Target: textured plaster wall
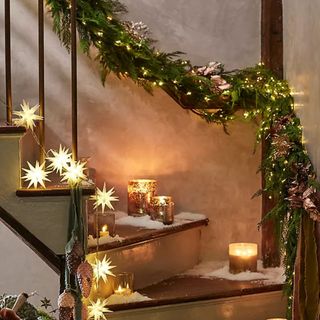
(302, 66)
(129, 133)
(23, 271)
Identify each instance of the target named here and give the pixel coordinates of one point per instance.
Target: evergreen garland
(216, 96)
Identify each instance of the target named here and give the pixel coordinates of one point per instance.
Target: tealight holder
(162, 209)
(123, 283)
(140, 192)
(243, 257)
(99, 224)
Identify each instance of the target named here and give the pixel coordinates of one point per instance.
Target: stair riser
(159, 259)
(45, 217)
(251, 307)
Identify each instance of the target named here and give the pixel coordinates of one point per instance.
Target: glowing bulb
(104, 198)
(98, 309)
(60, 159)
(102, 269)
(27, 116)
(74, 173)
(36, 175)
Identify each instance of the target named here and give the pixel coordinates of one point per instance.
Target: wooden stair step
(133, 235)
(51, 192)
(183, 289)
(5, 129)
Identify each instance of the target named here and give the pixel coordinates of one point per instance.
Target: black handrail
(45, 253)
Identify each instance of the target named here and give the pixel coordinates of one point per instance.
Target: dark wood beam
(272, 57)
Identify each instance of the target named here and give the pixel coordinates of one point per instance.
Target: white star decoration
(101, 269)
(27, 116)
(60, 159)
(103, 198)
(74, 172)
(36, 174)
(97, 309)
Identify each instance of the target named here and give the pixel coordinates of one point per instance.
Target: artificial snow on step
(214, 269)
(134, 297)
(147, 223)
(93, 242)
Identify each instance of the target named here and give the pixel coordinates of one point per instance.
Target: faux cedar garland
(254, 91)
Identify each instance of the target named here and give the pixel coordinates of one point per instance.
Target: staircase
(156, 257)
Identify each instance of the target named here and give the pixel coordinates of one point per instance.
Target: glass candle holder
(162, 209)
(123, 283)
(99, 224)
(140, 192)
(243, 257)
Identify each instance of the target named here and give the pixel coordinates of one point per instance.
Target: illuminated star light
(103, 198)
(74, 172)
(36, 175)
(60, 159)
(102, 269)
(27, 116)
(98, 309)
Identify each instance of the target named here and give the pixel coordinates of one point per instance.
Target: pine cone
(85, 278)
(66, 305)
(65, 313)
(74, 257)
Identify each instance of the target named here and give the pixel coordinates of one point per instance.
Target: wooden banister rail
(45, 253)
(8, 61)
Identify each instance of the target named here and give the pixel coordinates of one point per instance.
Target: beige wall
(130, 133)
(302, 65)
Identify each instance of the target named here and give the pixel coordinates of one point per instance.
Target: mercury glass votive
(140, 192)
(243, 257)
(162, 209)
(123, 283)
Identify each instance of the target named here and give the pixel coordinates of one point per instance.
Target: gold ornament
(60, 159)
(27, 116)
(74, 257)
(98, 309)
(36, 174)
(85, 278)
(104, 198)
(101, 269)
(74, 173)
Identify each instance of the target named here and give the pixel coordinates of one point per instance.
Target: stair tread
(11, 129)
(51, 192)
(182, 289)
(133, 235)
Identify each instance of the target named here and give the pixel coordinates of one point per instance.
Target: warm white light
(102, 269)
(36, 174)
(98, 309)
(104, 228)
(104, 198)
(60, 159)
(243, 249)
(74, 173)
(27, 116)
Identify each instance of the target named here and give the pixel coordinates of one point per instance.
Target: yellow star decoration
(36, 174)
(97, 309)
(27, 116)
(74, 172)
(101, 269)
(103, 198)
(60, 159)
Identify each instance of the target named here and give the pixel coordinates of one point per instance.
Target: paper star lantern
(98, 309)
(27, 116)
(60, 159)
(36, 174)
(104, 198)
(102, 269)
(74, 172)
